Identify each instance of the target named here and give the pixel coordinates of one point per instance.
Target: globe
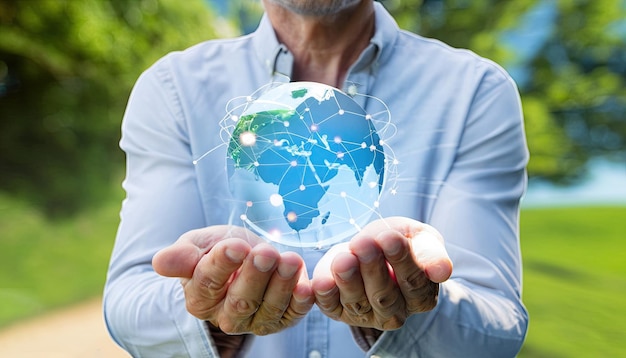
(306, 165)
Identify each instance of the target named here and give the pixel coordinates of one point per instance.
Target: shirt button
(315, 354)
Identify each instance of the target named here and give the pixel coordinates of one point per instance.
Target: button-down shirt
(461, 155)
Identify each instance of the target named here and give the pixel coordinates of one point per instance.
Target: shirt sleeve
(144, 312)
(479, 312)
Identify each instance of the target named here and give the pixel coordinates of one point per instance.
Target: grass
(45, 264)
(575, 281)
(574, 271)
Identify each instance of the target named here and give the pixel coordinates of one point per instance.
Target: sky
(606, 185)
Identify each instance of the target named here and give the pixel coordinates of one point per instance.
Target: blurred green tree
(574, 82)
(66, 69)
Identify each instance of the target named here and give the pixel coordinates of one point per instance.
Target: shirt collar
(278, 61)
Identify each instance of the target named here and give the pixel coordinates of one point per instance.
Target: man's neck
(323, 48)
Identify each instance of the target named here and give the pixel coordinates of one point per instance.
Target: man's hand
(387, 272)
(236, 282)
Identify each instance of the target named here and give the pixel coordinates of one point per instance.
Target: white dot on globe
(313, 127)
(294, 163)
(234, 118)
(276, 234)
(302, 187)
(286, 123)
(343, 194)
(247, 139)
(372, 184)
(363, 145)
(341, 112)
(340, 155)
(243, 217)
(337, 139)
(276, 200)
(292, 217)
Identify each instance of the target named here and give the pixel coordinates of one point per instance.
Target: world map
(308, 165)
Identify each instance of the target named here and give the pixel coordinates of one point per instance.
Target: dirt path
(75, 332)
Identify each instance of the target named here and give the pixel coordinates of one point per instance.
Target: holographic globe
(306, 166)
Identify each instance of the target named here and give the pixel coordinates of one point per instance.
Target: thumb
(431, 254)
(177, 260)
(180, 259)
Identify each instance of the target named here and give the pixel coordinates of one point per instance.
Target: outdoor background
(67, 67)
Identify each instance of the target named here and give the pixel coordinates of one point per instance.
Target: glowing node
(368, 117)
(249, 203)
(396, 161)
(307, 109)
(302, 187)
(343, 194)
(247, 139)
(376, 204)
(394, 192)
(292, 217)
(352, 90)
(363, 145)
(276, 200)
(275, 234)
(243, 217)
(256, 164)
(294, 163)
(286, 123)
(249, 98)
(381, 142)
(372, 147)
(372, 184)
(341, 112)
(352, 221)
(337, 139)
(340, 155)
(234, 118)
(314, 127)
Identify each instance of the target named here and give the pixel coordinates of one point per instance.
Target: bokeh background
(67, 67)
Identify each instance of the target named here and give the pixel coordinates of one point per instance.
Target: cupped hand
(236, 282)
(386, 273)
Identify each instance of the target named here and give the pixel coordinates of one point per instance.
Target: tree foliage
(66, 69)
(572, 72)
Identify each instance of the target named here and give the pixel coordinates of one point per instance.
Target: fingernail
(367, 255)
(328, 292)
(236, 256)
(393, 248)
(287, 270)
(263, 263)
(347, 275)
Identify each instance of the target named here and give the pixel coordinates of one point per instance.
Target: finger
(270, 317)
(431, 254)
(323, 283)
(382, 292)
(212, 276)
(419, 293)
(354, 301)
(246, 292)
(427, 244)
(180, 259)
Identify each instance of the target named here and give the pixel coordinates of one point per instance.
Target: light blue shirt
(461, 157)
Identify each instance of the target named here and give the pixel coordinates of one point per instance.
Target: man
(462, 155)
